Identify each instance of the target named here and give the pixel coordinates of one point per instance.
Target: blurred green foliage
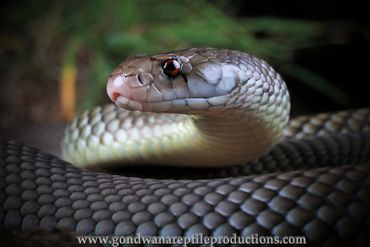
(97, 35)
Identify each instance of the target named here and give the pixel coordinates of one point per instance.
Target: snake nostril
(115, 95)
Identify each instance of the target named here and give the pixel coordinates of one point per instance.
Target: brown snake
(226, 111)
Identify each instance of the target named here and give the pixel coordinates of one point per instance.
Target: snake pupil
(171, 67)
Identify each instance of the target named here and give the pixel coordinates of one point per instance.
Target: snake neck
(226, 140)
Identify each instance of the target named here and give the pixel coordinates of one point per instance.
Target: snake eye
(172, 67)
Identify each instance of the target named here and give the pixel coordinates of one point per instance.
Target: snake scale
(227, 114)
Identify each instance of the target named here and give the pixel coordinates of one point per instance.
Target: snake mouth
(115, 95)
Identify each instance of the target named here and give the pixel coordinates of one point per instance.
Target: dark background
(345, 60)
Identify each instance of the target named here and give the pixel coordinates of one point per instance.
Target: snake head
(186, 81)
(193, 81)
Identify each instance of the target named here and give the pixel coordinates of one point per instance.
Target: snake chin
(134, 105)
(186, 106)
(128, 104)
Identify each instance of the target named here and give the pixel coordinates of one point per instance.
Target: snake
(217, 120)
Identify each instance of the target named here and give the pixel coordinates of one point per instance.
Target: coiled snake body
(226, 111)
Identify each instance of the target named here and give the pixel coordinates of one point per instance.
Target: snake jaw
(128, 104)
